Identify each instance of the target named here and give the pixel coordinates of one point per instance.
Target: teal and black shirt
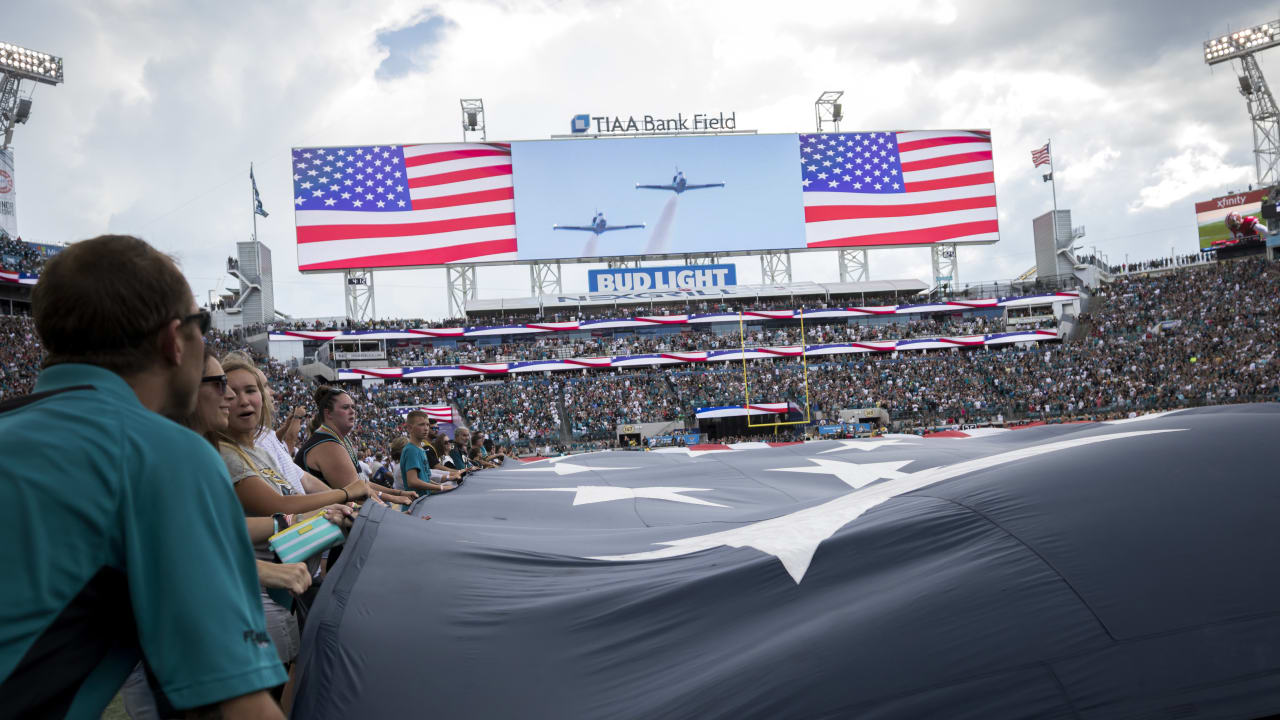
(123, 540)
(413, 458)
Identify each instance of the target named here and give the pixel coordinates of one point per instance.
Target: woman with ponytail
(328, 453)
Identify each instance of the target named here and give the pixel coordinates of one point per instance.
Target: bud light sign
(681, 277)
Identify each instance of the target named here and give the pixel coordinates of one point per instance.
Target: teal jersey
(124, 541)
(414, 458)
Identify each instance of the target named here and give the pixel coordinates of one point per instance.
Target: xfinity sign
(619, 124)
(700, 277)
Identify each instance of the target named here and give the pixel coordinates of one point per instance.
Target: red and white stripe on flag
(949, 195)
(463, 210)
(1040, 156)
(439, 413)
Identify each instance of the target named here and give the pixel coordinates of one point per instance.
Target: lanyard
(342, 440)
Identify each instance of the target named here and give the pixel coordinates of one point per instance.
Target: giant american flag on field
(1121, 569)
(898, 188)
(374, 206)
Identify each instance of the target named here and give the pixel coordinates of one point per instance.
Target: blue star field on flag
(851, 162)
(367, 178)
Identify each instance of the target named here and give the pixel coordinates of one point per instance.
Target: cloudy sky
(165, 104)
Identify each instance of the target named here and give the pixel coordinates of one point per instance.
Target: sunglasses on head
(221, 381)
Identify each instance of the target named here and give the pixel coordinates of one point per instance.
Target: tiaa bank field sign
(680, 277)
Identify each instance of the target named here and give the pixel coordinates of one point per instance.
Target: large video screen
(1211, 214)
(385, 206)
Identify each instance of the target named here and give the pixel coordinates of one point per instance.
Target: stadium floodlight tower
(473, 119)
(18, 64)
(827, 110)
(1243, 46)
(460, 280)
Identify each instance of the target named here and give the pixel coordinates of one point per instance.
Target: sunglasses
(201, 316)
(221, 380)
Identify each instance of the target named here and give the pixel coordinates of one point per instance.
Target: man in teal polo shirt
(124, 538)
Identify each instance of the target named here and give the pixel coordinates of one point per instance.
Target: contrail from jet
(661, 236)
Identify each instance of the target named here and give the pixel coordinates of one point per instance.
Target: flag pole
(1053, 183)
(253, 205)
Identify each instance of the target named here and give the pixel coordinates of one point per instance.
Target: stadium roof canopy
(903, 288)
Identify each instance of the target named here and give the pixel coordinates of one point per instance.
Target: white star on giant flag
(588, 494)
(863, 445)
(793, 538)
(565, 468)
(855, 475)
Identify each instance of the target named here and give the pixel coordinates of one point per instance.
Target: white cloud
(1088, 168)
(1199, 168)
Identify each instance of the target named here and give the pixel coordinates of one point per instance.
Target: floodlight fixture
(1225, 48)
(1243, 46)
(29, 64)
(828, 110)
(473, 118)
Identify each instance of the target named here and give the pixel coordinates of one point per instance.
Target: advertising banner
(1211, 214)
(385, 206)
(680, 277)
(8, 195)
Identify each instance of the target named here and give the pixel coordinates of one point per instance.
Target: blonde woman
(260, 482)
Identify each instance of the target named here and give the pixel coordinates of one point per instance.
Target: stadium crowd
(1159, 341)
(1175, 261)
(19, 256)
(579, 313)
(697, 338)
(1207, 351)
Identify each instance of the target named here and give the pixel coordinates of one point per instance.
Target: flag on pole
(1047, 176)
(257, 201)
(1040, 156)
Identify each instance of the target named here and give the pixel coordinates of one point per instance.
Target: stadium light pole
(16, 65)
(1242, 46)
(460, 280)
(827, 111)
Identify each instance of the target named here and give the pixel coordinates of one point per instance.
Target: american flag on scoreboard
(1040, 156)
(393, 205)
(898, 188)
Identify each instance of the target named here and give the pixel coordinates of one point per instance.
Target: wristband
(281, 522)
(346, 495)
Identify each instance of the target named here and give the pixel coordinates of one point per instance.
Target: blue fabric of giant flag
(1095, 570)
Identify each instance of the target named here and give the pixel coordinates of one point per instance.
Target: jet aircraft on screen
(678, 184)
(598, 225)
